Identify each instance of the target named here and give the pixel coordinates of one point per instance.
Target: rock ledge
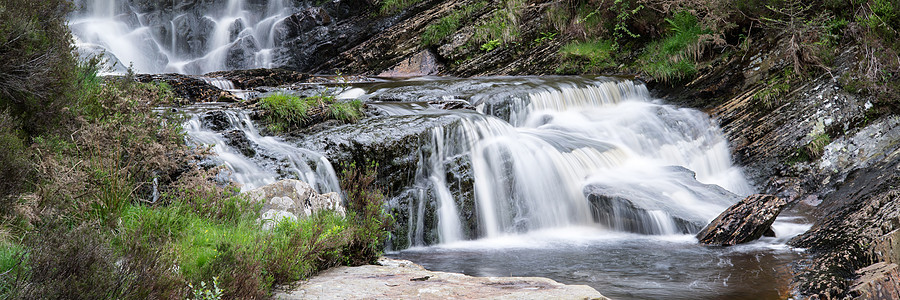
(401, 279)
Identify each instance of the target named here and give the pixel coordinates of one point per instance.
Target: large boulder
(292, 199)
(878, 281)
(746, 221)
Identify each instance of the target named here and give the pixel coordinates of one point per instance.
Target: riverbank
(401, 279)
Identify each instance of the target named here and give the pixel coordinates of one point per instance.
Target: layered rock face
(743, 222)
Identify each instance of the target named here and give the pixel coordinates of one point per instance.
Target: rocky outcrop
(880, 281)
(746, 221)
(292, 199)
(400, 279)
(190, 88)
(253, 78)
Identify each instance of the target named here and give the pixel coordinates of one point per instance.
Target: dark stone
(238, 140)
(746, 221)
(189, 88)
(253, 78)
(215, 121)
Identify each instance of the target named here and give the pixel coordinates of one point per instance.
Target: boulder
(421, 64)
(743, 222)
(292, 199)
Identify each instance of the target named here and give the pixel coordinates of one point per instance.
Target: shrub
(64, 262)
(15, 165)
(365, 206)
(673, 57)
(38, 69)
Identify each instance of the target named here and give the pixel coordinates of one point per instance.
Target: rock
(746, 221)
(190, 88)
(292, 199)
(628, 206)
(400, 279)
(421, 64)
(253, 78)
(879, 281)
(215, 120)
(238, 140)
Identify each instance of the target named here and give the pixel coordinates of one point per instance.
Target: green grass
(284, 111)
(347, 111)
(448, 24)
(393, 6)
(13, 259)
(674, 57)
(501, 26)
(587, 56)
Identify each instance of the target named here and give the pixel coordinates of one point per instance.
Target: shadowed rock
(746, 221)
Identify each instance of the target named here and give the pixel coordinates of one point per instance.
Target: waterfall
(276, 158)
(602, 153)
(188, 38)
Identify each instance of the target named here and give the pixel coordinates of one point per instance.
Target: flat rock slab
(401, 279)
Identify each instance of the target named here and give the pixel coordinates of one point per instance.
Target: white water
(299, 163)
(530, 173)
(162, 46)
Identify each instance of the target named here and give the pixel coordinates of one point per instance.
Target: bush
(674, 57)
(15, 165)
(501, 26)
(365, 206)
(38, 69)
(65, 262)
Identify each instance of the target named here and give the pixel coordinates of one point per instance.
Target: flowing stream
(586, 180)
(178, 36)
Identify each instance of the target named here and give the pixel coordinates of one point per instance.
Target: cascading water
(290, 161)
(564, 142)
(188, 38)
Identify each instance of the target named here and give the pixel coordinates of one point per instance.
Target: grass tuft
(587, 56)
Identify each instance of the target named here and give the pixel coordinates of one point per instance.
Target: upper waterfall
(181, 37)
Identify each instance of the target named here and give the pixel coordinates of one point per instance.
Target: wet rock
(392, 142)
(880, 281)
(400, 279)
(421, 64)
(746, 221)
(292, 199)
(238, 140)
(630, 207)
(215, 120)
(190, 88)
(254, 78)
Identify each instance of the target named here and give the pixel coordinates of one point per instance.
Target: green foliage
(203, 293)
(14, 162)
(673, 58)
(284, 111)
(501, 27)
(38, 68)
(435, 32)
(393, 6)
(365, 206)
(775, 88)
(347, 111)
(625, 10)
(816, 146)
(13, 261)
(490, 45)
(588, 56)
(545, 37)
